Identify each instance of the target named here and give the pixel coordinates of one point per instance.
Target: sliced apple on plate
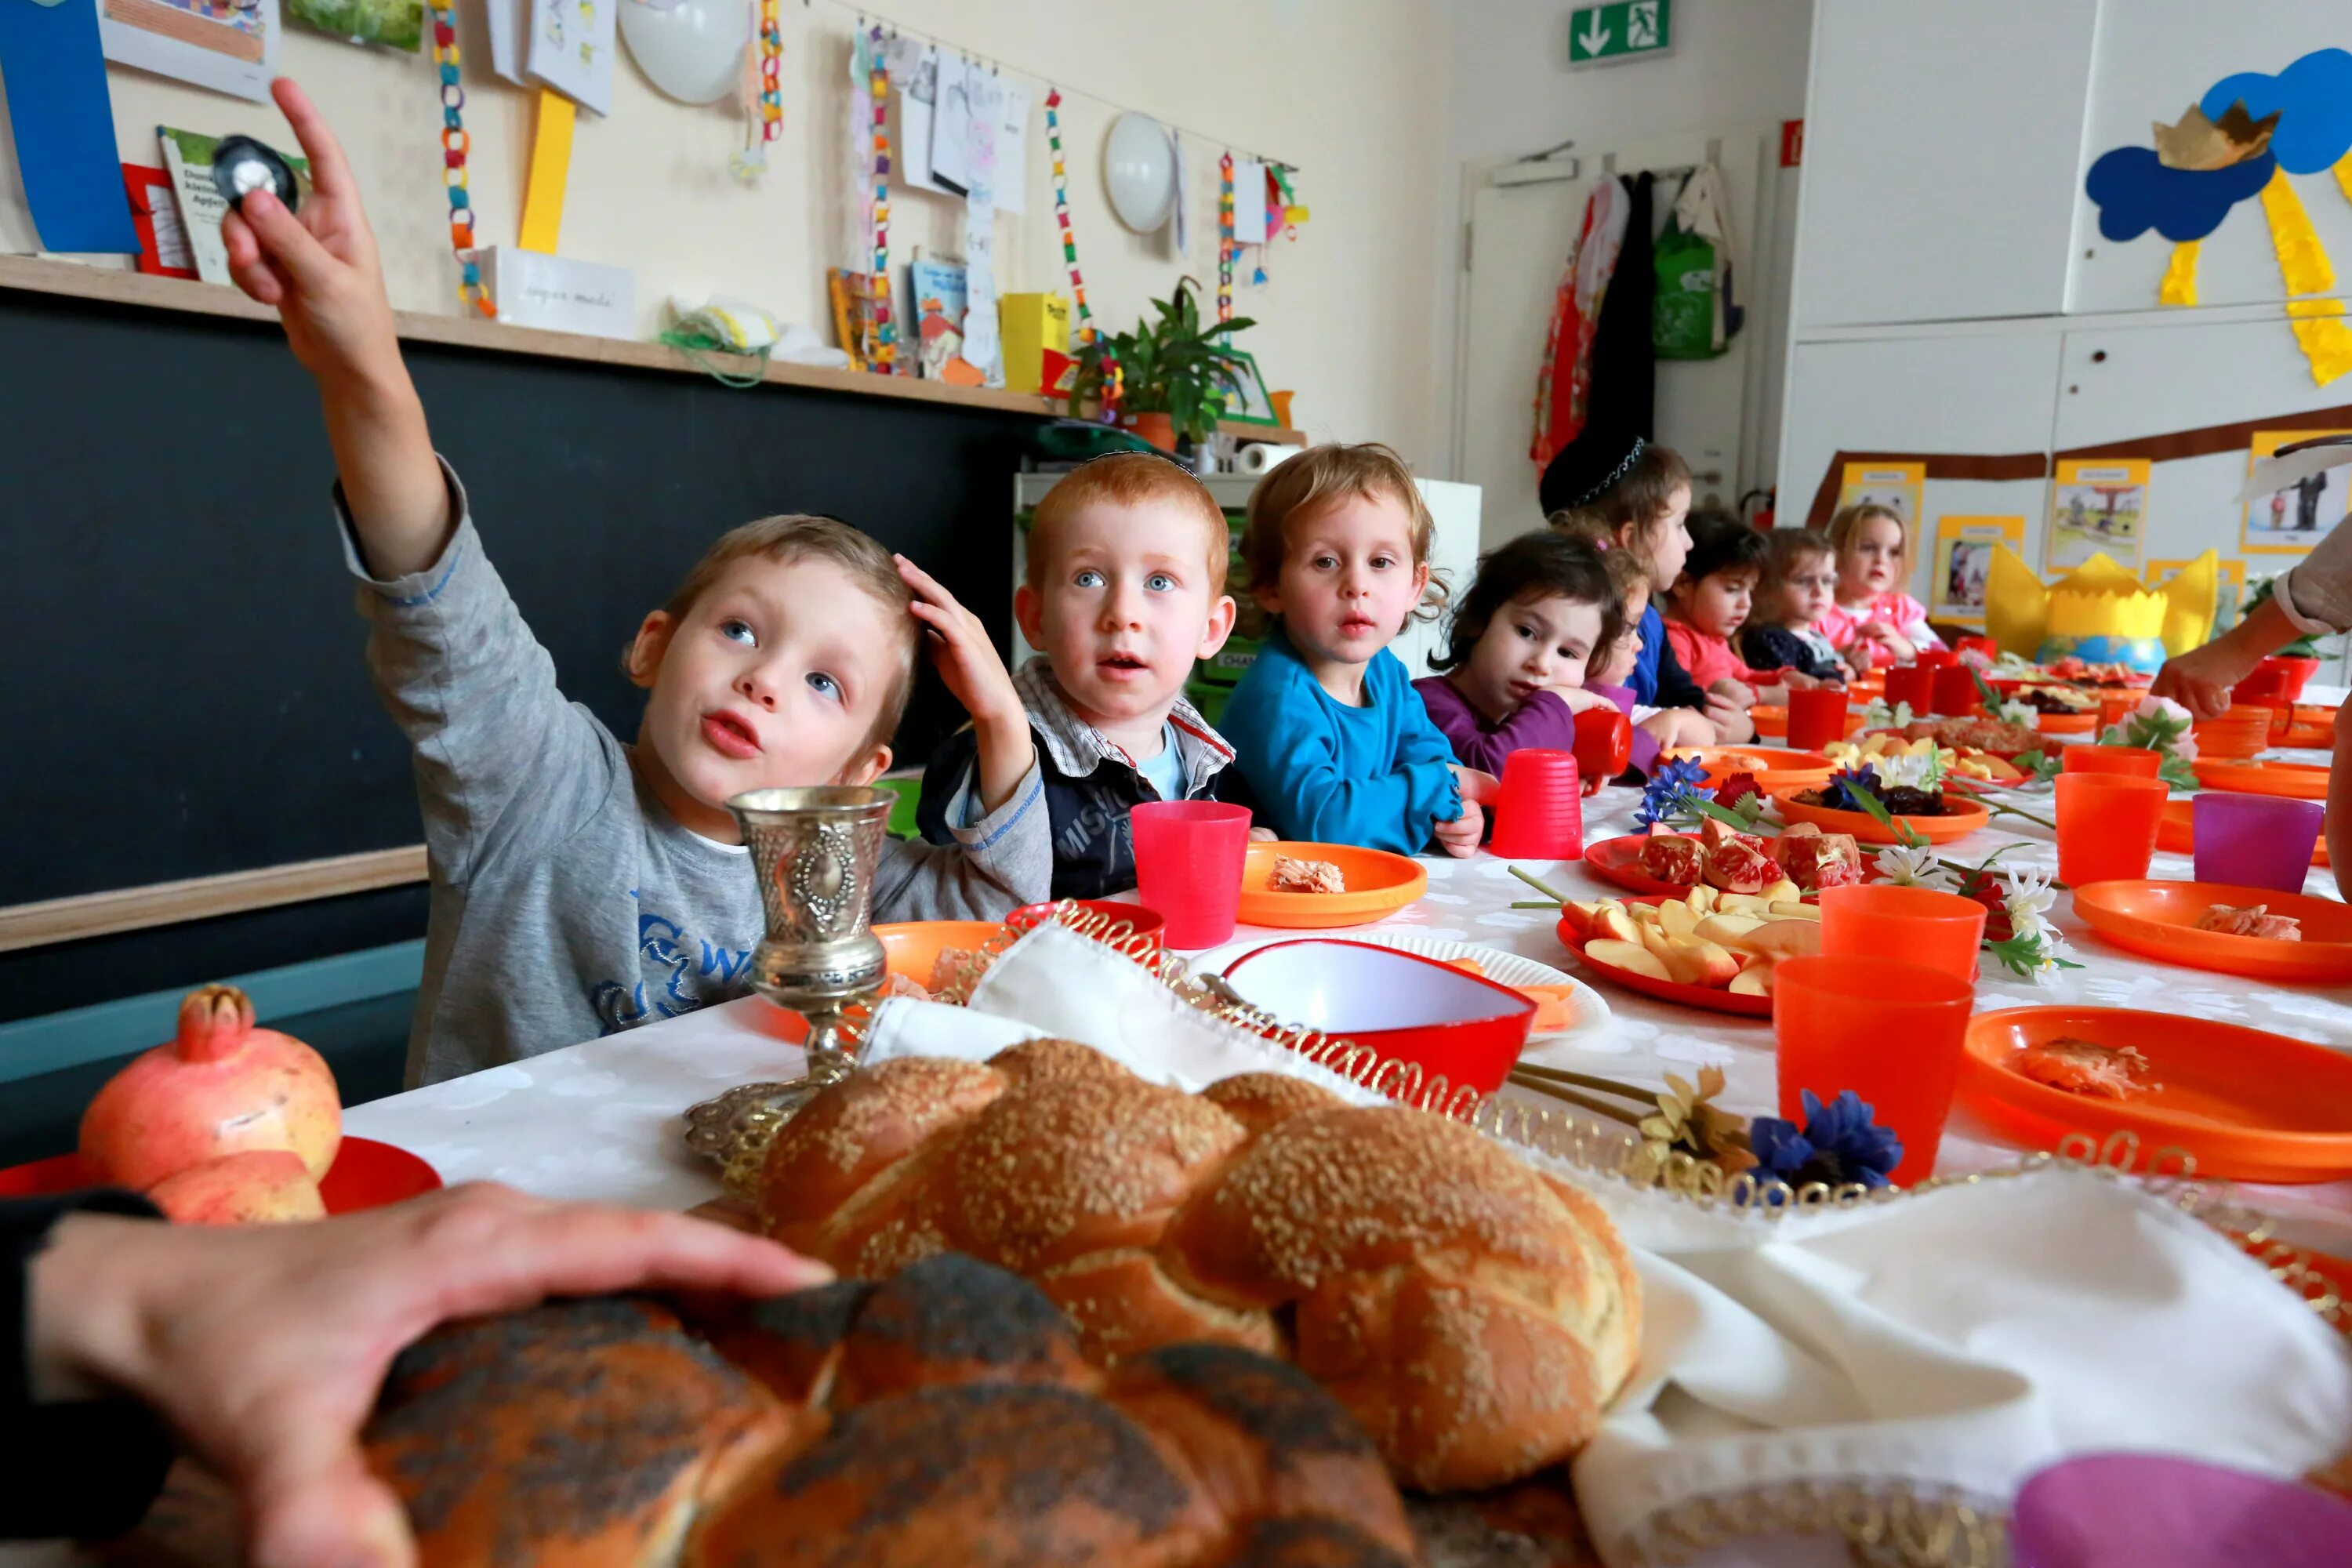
(1631, 957)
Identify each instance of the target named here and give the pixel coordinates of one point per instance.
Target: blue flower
(1840, 1146)
(1839, 796)
(1676, 778)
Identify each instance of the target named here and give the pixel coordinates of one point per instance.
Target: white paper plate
(1593, 1018)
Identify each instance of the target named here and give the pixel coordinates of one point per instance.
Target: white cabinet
(1941, 141)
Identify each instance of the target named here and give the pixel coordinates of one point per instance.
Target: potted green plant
(1175, 371)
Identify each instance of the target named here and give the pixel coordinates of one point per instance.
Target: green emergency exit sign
(1626, 30)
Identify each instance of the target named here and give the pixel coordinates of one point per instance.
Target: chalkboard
(186, 692)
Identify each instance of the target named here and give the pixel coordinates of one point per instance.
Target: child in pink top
(1874, 621)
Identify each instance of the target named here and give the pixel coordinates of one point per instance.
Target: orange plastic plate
(2178, 832)
(2298, 780)
(1773, 766)
(2250, 1106)
(1379, 883)
(2067, 723)
(1866, 828)
(2158, 920)
(912, 948)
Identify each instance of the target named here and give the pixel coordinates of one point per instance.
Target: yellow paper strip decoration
(550, 170)
(2344, 175)
(2302, 262)
(2326, 342)
(2181, 276)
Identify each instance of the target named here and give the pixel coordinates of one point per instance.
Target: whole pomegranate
(221, 1088)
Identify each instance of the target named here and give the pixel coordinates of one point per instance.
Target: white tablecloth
(600, 1119)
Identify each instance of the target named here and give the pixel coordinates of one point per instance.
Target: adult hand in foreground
(264, 1347)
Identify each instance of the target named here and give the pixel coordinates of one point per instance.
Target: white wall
(1346, 89)
(1734, 62)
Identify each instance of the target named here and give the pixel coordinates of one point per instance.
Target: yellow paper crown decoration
(2099, 612)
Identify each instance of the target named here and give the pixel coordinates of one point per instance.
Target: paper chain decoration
(886, 334)
(771, 61)
(454, 144)
(1114, 378)
(1225, 246)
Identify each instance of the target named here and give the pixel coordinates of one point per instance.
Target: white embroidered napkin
(1960, 1340)
(1053, 982)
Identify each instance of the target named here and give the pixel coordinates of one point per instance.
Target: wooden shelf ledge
(39, 274)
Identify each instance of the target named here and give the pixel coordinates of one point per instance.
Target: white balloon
(691, 49)
(1139, 172)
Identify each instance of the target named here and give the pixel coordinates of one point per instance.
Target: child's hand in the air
(967, 662)
(318, 266)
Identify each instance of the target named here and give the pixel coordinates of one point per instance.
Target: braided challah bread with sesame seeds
(1474, 1314)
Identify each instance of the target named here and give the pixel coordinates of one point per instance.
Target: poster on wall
(228, 48)
(394, 24)
(572, 44)
(1898, 487)
(1964, 548)
(2290, 522)
(2099, 506)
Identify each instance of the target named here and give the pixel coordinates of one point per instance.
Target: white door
(1516, 248)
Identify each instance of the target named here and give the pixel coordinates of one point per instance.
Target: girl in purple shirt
(1543, 605)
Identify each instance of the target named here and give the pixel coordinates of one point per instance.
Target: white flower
(2049, 948)
(2030, 898)
(2162, 708)
(2019, 713)
(1908, 866)
(2183, 745)
(1974, 659)
(1913, 770)
(1877, 715)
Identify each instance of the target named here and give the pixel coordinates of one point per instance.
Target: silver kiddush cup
(814, 851)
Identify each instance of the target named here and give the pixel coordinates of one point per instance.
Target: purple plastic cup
(2148, 1510)
(2255, 841)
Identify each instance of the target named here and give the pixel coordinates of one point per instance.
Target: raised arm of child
(319, 270)
(451, 654)
(969, 664)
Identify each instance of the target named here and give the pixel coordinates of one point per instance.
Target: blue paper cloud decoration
(2312, 99)
(2134, 194)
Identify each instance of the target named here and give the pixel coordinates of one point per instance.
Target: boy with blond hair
(1125, 588)
(579, 885)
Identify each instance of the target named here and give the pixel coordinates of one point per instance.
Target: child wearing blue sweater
(1329, 735)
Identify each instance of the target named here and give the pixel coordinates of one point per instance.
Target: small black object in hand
(242, 165)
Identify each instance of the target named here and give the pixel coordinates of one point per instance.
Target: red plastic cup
(1891, 1032)
(2132, 761)
(1956, 694)
(1189, 856)
(1912, 683)
(2254, 840)
(2296, 670)
(1984, 645)
(1909, 925)
(2106, 826)
(1537, 813)
(1605, 746)
(1935, 658)
(2114, 710)
(1816, 718)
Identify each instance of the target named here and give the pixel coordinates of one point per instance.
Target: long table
(600, 1119)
